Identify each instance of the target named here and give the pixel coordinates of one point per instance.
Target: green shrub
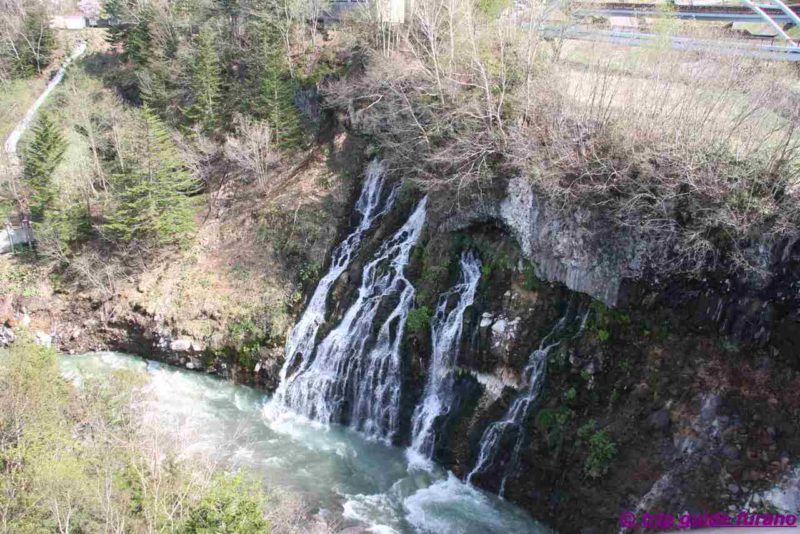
(532, 282)
(553, 422)
(601, 452)
(587, 429)
(418, 319)
(493, 8)
(232, 505)
(310, 271)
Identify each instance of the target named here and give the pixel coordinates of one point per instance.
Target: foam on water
(365, 482)
(450, 505)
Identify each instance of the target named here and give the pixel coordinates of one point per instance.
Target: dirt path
(10, 237)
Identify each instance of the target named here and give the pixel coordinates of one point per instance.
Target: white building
(68, 22)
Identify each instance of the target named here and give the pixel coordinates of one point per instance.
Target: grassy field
(15, 99)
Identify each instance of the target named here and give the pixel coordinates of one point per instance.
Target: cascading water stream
(353, 379)
(511, 426)
(370, 206)
(446, 329)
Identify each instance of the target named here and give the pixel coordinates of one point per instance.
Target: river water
(365, 482)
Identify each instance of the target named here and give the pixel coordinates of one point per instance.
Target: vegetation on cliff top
(695, 153)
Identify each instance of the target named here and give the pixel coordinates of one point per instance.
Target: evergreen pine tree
(152, 200)
(155, 87)
(117, 12)
(35, 47)
(206, 84)
(276, 99)
(138, 39)
(41, 158)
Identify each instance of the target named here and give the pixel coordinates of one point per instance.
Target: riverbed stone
(43, 339)
(181, 345)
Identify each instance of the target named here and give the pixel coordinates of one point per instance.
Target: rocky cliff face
(582, 248)
(646, 409)
(567, 246)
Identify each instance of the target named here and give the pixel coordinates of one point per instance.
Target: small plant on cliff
(603, 334)
(418, 319)
(553, 423)
(309, 272)
(531, 282)
(602, 450)
(247, 336)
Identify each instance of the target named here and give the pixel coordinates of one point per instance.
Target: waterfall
(512, 425)
(446, 328)
(370, 206)
(354, 376)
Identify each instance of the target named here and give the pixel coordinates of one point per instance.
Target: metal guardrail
(704, 16)
(740, 13)
(761, 10)
(764, 51)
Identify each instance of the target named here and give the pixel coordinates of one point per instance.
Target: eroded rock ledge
(582, 248)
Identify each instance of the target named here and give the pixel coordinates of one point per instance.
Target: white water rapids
(365, 483)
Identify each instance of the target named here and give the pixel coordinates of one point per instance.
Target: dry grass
(697, 152)
(239, 264)
(16, 97)
(694, 152)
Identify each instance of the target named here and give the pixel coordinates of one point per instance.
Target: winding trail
(10, 236)
(16, 134)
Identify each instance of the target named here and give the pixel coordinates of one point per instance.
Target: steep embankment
(224, 304)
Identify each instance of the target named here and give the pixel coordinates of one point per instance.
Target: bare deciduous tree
(253, 153)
